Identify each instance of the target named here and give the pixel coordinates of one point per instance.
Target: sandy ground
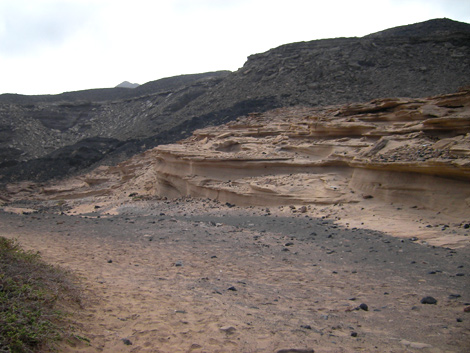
(196, 276)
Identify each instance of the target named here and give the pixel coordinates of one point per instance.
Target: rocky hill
(43, 137)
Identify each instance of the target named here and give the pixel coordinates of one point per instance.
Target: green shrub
(31, 293)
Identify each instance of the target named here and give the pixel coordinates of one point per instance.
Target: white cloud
(30, 26)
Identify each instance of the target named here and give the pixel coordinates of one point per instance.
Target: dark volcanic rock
(428, 300)
(364, 307)
(126, 341)
(419, 60)
(63, 161)
(407, 61)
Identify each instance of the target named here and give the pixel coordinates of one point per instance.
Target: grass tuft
(35, 299)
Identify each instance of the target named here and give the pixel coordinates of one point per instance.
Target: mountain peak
(127, 84)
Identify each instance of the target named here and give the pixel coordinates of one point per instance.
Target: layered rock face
(391, 148)
(413, 151)
(44, 137)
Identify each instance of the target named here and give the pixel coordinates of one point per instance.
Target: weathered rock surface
(414, 151)
(419, 60)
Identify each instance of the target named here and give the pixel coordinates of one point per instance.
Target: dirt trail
(243, 280)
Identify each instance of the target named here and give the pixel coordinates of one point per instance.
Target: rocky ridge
(44, 126)
(44, 137)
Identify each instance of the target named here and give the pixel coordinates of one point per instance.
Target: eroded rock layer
(414, 151)
(392, 148)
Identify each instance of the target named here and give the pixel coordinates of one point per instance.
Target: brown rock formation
(415, 151)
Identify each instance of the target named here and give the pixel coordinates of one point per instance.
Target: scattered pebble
(428, 300)
(228, 329)
(363, 307)
(126, 341)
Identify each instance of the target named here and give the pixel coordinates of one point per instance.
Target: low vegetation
(35, 301)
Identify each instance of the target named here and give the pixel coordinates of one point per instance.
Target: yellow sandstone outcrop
(395, 149)
(415, 151)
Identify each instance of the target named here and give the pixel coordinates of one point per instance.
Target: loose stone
(364, 307)
(428, 300)
(228, 329)
(126, 341)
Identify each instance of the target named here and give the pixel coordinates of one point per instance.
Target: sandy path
(251, 284)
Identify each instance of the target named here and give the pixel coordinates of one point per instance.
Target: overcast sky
(54, 46)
